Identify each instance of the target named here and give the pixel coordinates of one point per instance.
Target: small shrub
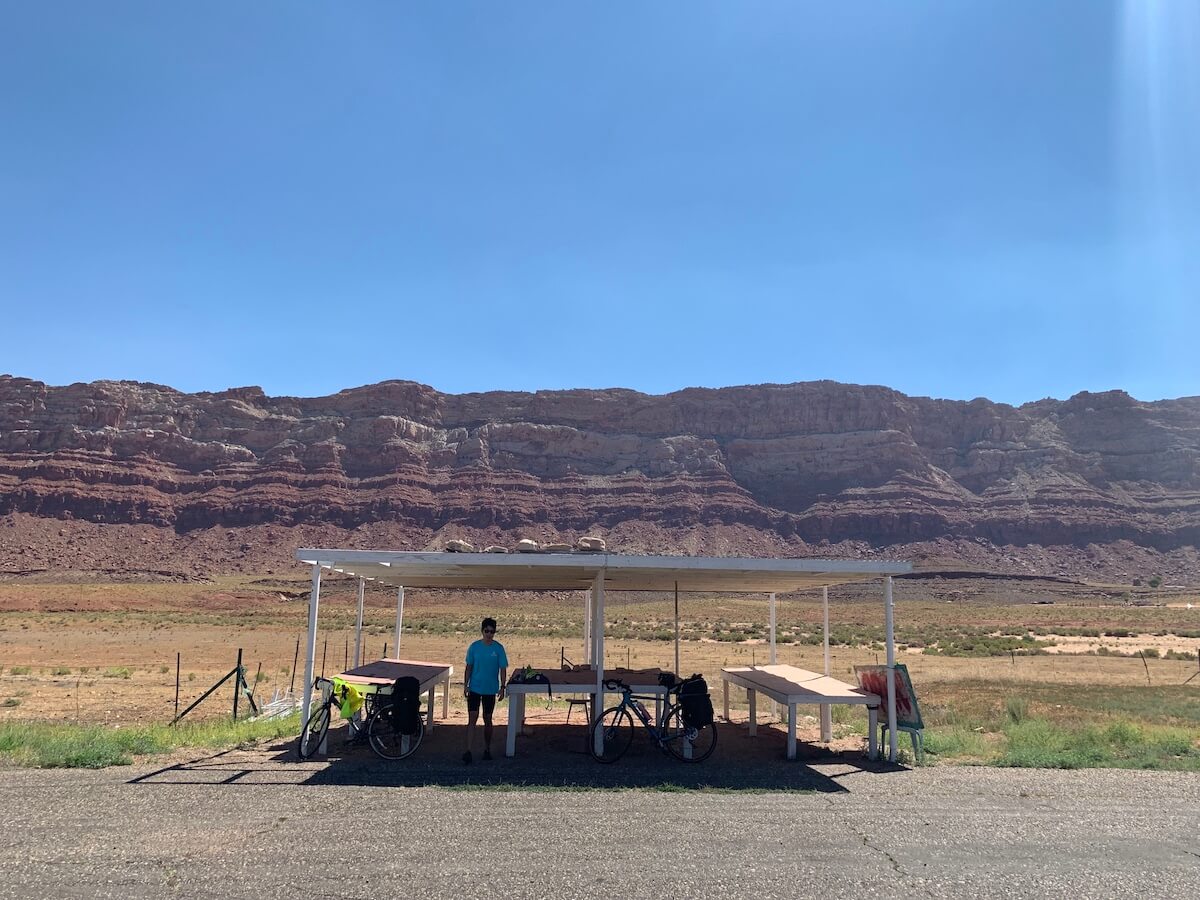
(191, 676)
(1017, 709)
(1150, 653)
(1154, 582)
(117, 672)
(163, 670)
(12, 701)
(60, 670)
(20, 670)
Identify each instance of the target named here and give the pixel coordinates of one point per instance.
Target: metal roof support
(588, 597)
(399, 618)
(774, 711)
(891, 664)
(310, 652)
(362, 586)
(826, 709)
(677, 670)
(598, 655)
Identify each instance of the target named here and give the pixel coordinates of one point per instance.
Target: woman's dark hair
(489, 622)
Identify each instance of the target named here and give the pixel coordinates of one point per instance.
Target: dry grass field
(982, 664)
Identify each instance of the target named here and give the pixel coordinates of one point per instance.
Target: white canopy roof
(577, 571)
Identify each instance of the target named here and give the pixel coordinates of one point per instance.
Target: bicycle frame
(643, 713)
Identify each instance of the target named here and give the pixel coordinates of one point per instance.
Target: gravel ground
(257, 823)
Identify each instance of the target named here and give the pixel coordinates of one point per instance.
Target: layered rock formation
(777, 468)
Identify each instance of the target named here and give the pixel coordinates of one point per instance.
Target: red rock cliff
(804, 463)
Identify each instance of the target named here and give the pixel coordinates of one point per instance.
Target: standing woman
(483, 684)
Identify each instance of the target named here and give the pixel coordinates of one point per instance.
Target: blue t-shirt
(486, 661)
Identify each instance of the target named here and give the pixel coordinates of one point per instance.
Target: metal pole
(772, 629)
(324, 653)
(893, 741)
(177, 657)
(237, 684)
(774, 710)
(598, 653)
(588, 598)
(362, 587)
(826, 709)
(677, 670)
(310, 654)
(399, 618)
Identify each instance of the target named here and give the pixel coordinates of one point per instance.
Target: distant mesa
(146, 478)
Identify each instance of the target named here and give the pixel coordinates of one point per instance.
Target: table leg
(753, 695)
(791, 744)
(446, 699)
(514, 719)
(826, 722)
(872, 732)
(726, 701)
(429, 715)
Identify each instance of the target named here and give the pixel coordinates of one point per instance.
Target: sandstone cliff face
(799, 464)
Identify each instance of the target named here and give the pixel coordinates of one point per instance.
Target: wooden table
(792, 687)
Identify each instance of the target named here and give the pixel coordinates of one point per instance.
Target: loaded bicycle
(392, 721)
(687, 730)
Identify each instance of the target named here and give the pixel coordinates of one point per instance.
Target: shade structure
(595, 573)
(577, 571)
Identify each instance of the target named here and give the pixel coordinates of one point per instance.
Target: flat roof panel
(576, 571)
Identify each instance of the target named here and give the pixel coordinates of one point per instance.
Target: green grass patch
(117, 672)
(56, 745)
(19, 670)
(957, 742)
(1121, 744)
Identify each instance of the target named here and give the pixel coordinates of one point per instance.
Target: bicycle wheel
(314, 732)
(694, 744)
(616, 726)
(387, 741)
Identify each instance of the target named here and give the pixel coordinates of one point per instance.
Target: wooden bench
(793, 687)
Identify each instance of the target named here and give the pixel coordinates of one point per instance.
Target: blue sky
(994, 199)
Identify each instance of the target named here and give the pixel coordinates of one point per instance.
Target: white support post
(772, 657)
(588, 599)
(677, 672)
(399, 618)
(362, 587)
(891, 665)
(826, 709)
(310, 652)
(598, 653)
(774, 711)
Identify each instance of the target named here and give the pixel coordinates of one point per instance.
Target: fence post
(177, 656)
(237, 684)
(295, 661)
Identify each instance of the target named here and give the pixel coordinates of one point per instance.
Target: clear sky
(954, 199)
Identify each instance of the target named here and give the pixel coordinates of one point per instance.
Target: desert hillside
(121, 477)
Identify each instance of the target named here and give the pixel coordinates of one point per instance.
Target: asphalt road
(258, 824)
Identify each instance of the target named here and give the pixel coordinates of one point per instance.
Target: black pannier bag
(697, 707)
(405, 708)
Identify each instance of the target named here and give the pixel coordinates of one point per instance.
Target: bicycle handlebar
(615, 684)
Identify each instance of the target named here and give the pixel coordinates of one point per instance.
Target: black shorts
(487, 700)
